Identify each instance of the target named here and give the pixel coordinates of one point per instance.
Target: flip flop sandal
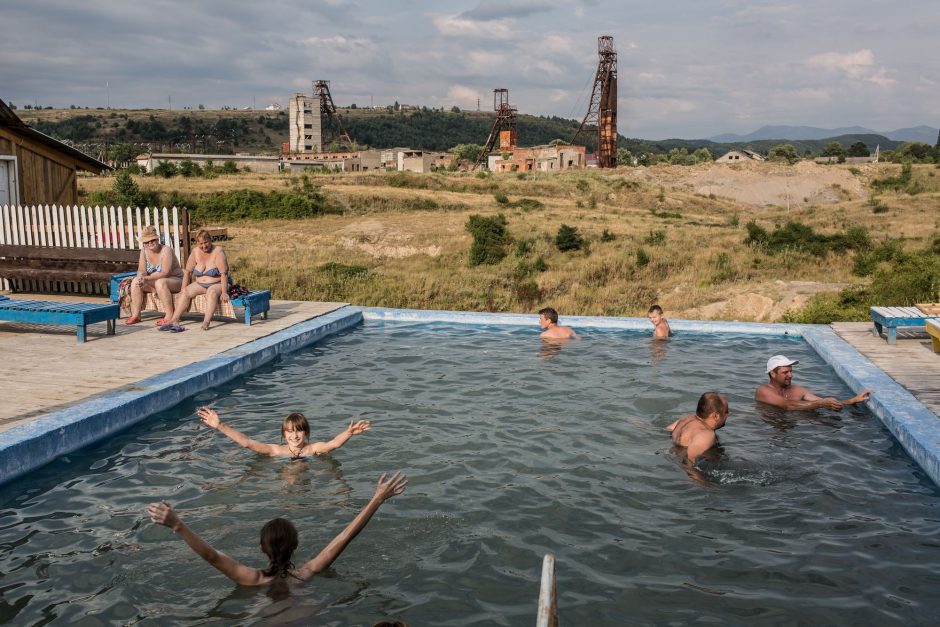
(175, 328)
(132, 320)
(162, 321)
(166, 327)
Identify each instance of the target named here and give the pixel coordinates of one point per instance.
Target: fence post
(548, 602)
(185, 236)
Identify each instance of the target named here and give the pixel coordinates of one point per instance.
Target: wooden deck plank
(911, 362)
(44, 368)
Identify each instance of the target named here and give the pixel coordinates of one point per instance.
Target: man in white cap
(780, 393)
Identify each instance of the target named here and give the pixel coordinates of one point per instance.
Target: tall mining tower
(602, 110)
(504, 127)
(314, 122)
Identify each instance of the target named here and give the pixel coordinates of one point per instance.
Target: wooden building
(37, 169)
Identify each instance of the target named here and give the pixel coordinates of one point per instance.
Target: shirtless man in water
(780, 392)
(697, 432)
(548, 320)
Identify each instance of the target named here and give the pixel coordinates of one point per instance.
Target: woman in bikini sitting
(209, 270)
(279, 541)
(159, 272)
(295, 433)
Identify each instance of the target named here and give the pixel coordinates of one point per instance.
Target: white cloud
(858, 66)
(455, 26)
(461, 94)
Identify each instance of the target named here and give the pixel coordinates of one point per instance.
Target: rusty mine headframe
(328, 115)
(504, 126)
(602, 110)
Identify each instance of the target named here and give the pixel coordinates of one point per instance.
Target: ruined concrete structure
(314, 122)
(539, 159)
(305, 121)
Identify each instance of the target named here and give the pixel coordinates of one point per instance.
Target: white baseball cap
(780, 360)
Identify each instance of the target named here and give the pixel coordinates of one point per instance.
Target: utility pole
(169, 100)
(107, 85)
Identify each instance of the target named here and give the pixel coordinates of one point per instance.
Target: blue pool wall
(29, 446)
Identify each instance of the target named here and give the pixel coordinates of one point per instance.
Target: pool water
(513, 449)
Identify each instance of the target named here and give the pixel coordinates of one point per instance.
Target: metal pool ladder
(548, 597)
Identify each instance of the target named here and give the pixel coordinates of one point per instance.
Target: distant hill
(803, 147)
(924, 134)
(263, 132)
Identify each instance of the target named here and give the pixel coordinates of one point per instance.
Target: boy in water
(295, 433)
(548, 320)
(696, 433)
(661, 329)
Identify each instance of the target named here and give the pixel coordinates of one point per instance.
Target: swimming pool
(513, 450)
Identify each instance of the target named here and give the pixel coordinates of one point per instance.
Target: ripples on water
(513, 450)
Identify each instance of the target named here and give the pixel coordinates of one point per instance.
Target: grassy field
(401, 240)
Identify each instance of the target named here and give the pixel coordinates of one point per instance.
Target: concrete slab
(44, 369)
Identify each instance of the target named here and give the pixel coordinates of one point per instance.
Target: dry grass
(391, 250)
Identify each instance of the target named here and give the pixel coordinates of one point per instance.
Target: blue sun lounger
(53, 312)
(890, 318)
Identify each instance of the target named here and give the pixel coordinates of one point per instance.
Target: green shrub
(655, 238)
(490, 238)
(189, 168)
(539, 264)
(568, 238)
(246, 204)
(879, 208)
(799, 237)
(501, 198)
(165, 169)
(642, 258)
(341, 270)
(607, 236)
(228, 167)
(523, 247)
(527, 204)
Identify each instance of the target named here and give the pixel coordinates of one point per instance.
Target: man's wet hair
(655, 308)
(710, 402)
(549, 313)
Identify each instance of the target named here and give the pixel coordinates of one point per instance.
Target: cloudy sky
(687, 68)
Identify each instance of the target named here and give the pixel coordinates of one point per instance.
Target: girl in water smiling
(295, 432)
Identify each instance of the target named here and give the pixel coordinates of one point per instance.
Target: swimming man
(548, 320)
(696, 433)
(780, 392)
(661, 329)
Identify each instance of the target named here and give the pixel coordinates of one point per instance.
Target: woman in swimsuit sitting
(209, 269)
(278, 541)
(295, 433)
(158, 271)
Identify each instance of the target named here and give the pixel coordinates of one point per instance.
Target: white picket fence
(83, 227)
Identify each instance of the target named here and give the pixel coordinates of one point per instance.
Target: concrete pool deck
(67, 395)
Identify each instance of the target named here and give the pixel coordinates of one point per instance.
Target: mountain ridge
(922, 133)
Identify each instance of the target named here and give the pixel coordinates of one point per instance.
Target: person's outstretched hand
(209, 416)
(385, 490)
(358, 427)
(162, 513)
(861, 397)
